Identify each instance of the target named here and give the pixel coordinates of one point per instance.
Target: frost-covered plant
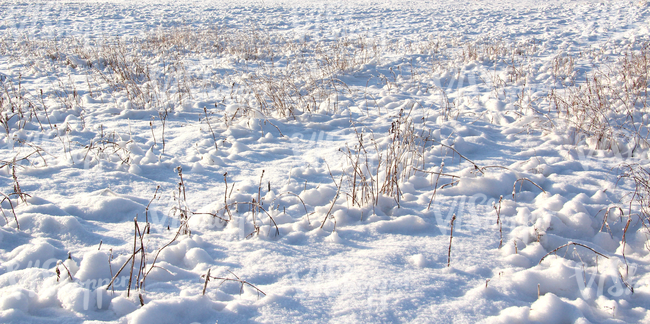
(639, 200)
(609, 108)
(377, 166)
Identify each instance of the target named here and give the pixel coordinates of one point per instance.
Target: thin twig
(451, 237)
(242, 282)
(522, 180)
(207, 278)
(12, 209)
(572, 243)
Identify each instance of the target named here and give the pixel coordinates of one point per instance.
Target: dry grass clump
(377, 168)
(609, 108)
(378, 164)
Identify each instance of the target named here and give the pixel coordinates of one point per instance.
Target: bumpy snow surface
(314, 159)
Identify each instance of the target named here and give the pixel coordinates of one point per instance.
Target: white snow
(314, 157)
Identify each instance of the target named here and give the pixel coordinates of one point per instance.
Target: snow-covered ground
(314, 158)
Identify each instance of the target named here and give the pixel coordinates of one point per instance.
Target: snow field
(311, 157)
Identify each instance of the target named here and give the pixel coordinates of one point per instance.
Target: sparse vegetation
(422, 96)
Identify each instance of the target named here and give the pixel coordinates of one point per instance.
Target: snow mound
(178, 310)
(105, 206)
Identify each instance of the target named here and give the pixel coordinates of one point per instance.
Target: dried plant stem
(606, 216)
(294, 195)
(630, 287)
(336, 197)
(522, 180)
(12, 210)
(435, 187)
(182, 183)
(66, 269)
(476, 167)
(259, 195)
(146, 211)
(497, 209)
(451, 237)
(572, 243)
(237, 279)
(122, 268)
(152, 132)
(17, 190)
(253, 204)
(153, 263)
(143, 255)
(135, 241)
(207, 119)
(205, 285)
